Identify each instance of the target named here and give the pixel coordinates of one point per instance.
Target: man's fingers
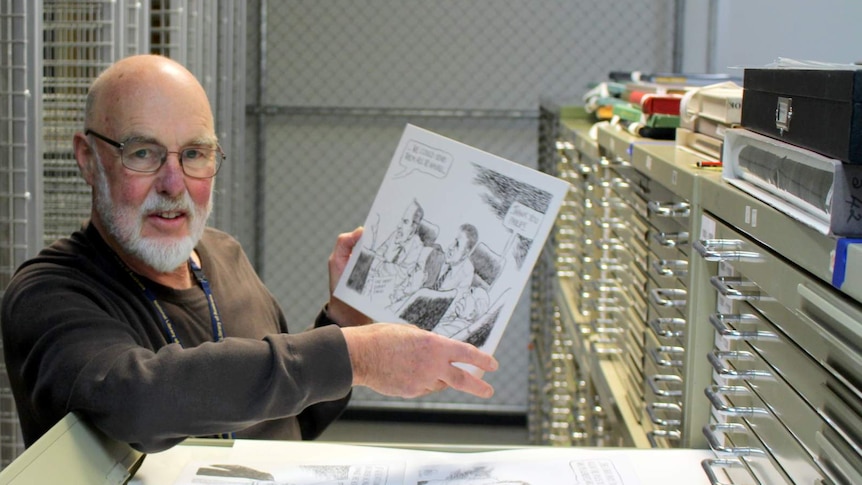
(402, 360)
(438, 386)
(462, 380)
(468, 354)
(467, 365)
(344, 245)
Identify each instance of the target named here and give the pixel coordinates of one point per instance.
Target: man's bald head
(140, 78)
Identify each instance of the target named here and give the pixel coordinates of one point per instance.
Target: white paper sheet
(418, 271)
(294, 462)
(487, 468)
(307, 463)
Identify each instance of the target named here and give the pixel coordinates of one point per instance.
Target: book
(721, 103)
(665, 104)
(451, 239)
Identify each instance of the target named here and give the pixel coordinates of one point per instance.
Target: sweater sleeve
(316, 418)
(69, 347)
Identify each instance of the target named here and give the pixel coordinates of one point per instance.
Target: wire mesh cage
(51, 52)
(80, 40)
(331, 86)
(340, 79)
(16, 116)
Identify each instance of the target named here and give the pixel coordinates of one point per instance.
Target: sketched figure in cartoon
(381, 268)
(425, 305)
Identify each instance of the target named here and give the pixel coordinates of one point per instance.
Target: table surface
(628, 465)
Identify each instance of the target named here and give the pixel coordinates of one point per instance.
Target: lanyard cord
(167, 324)
(215, 317)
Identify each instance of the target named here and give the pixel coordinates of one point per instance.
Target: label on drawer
(707, 228)
(724, 304)
(721, 343)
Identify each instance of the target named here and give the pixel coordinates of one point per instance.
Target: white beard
(125, 224)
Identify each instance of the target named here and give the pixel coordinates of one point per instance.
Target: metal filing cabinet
(565, 407)
(662, 352)
(674, 372)
(623, 283)
(622, 278)
(786, 392)
(684, 312)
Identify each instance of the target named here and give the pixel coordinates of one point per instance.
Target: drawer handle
(669, 209)
(736, 288)
(710, 464)
(611, 223)
(605, 347)
(654, 407)
(613, 245)
(725, 250)
(610, 264)
(668, 327)
(612, 203)
(606, 326)
(716, 394)
(653, 382)
(605, 305)
(620, 183)
(661, 361)
(717, 358)
(711, 432)
(603, 286)
(613, 183)
(669, 297)
(619, 162)
(721, 323)
(671, 239)
(669, 268)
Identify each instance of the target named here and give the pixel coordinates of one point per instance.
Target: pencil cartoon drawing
(483, 474)
(450, 239)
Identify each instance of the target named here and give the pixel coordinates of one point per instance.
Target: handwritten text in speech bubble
(523, 220)
(425, 159)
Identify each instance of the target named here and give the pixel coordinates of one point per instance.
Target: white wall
(723, 34)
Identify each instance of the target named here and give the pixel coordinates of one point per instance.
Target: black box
(817, 109)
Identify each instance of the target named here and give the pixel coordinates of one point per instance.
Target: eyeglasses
(200, 162)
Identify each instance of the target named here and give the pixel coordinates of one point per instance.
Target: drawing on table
(483, 474)
(298, 474)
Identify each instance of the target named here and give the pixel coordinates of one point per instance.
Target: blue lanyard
(215, 317)
(167, 324)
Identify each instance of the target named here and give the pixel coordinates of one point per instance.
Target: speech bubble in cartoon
(425, 159)
(523, 220)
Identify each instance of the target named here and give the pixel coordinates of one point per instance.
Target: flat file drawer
(754, 350)
(794, 344)
(768, 446)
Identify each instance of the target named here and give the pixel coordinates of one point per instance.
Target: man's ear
(85, 157)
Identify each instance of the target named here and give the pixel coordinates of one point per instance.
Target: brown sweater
(79, 335)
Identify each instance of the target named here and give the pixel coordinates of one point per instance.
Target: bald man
(155, 327)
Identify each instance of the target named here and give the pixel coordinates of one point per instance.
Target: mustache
(160, 203)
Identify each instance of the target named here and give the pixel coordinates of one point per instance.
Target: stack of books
(706, 114)
(645, 105)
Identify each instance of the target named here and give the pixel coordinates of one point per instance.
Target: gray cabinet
(671, 309)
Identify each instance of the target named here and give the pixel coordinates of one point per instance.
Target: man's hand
(403, 360)
(337, 310)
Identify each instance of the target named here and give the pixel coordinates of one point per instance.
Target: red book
(663, 104)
